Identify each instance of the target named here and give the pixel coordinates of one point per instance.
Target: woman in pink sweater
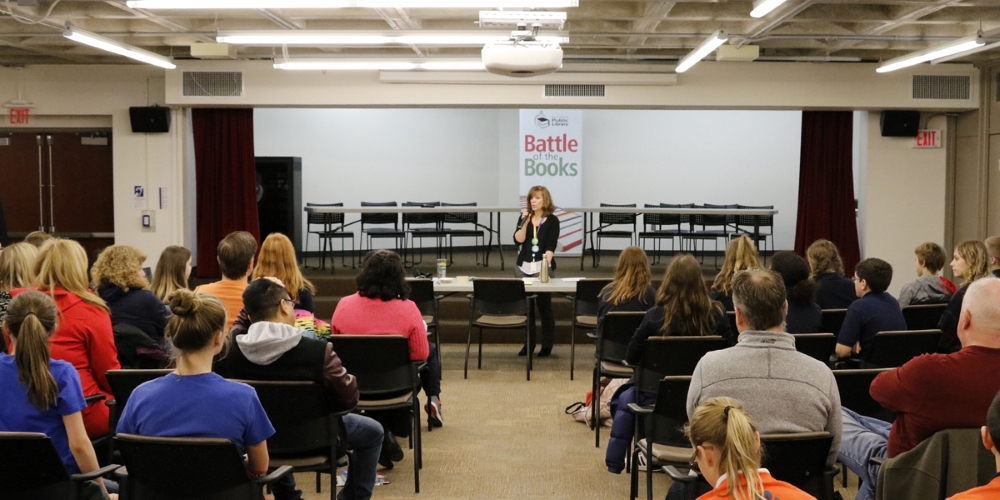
(382, 307)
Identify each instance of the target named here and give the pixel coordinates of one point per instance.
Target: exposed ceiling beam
(651, 18)
(44, 52)
(279, 20)
(895, 23)
(153, 18)
(398, 19)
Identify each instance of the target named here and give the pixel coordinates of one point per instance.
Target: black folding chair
(892, 349)
(713, 228)
(831, 320)
(32, 469)
(657, 227)
(331, 227)
(816, 345)
(923, 316)
(383, 219)
(611, 339)
(423, 226)
(463, 218)
(854, 387)
(122, 383)
(585, 303)
(606, 220)
(168, 468)
(499, 304)
(387, 380)
(422, 294)
(664, 442)
(759, 228)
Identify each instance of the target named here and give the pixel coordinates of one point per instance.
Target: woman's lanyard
(534, 240)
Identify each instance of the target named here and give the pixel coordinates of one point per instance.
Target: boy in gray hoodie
(929, 288)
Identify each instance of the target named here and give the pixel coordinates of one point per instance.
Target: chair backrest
(816, 345)
(729, 220)
(616, 218)
(892, 349)
(123, 382)
(731, 316)
(799, 459)
(923, 316)
(136, 349)
(665, 425)
(671, 219)
(381, 363)
(300, 413)
(750, 221)
(32, 468)
(587, 292)
(325, 219)
(461, 217)
(854, 387)
(615, 333)
(662, 356)
(499, 297)
(161, 468)
(832, 319)
(422, 294)
(379, 218)
(409, 219)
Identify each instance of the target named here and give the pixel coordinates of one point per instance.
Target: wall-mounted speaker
(896, 123)
(150, 119)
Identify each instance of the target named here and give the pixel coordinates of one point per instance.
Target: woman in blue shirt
(40, 394)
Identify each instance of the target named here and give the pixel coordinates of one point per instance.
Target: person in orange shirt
(991, 436)
(727, 446)
(235, 255)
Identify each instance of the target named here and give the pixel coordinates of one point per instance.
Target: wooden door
(19, 183)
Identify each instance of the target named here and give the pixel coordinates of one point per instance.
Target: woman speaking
(538, 234)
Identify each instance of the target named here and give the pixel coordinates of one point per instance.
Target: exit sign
(928, 139)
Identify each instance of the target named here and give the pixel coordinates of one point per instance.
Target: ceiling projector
(522, 58)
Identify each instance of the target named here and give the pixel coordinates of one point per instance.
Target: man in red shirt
(932, 392)
(991, 437)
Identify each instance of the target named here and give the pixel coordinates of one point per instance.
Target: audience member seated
(740, 255)
(683, 309)
(17, 270)
(277, 259)
(932, 392)
(875, 311)
(929, 288)
(273, 349)
(37, 238)
(193, 401)
(834, 291)
(235, 255)
(970, 262)
(172, 272)
(993, 250)
(785, 390)
(804, 314)
(83, 335)
(991, 438)
(631, 289)
(727, 446)
(122, 284)
(381, 306)
(44, 395)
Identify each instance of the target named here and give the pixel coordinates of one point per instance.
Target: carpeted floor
(505, 437)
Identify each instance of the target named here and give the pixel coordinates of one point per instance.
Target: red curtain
(826, 185)
(226, 180)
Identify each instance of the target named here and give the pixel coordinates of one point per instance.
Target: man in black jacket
(273, 349)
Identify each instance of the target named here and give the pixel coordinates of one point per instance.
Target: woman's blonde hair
(31, 317)
(277, 259)
(171, 271)
(823, 258)
(632, 277)
(547, 206)
(119, 265)
(740, 256)
(196, 318)
(974, 253)
(683, 296)
(723, 423)
(63, 263)
(17, 266)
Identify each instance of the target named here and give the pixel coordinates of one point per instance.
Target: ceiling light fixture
(989, 46)
(103, 43)
(378, 65)
(761, 8)
(939, 51)
(342, 4)
(706, 48)
(413, 37)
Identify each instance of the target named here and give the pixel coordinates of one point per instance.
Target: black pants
(430, 376)
(543, 310)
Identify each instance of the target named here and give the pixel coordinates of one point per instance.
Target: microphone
(521, 220)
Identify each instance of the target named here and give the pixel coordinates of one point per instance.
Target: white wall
(458, 155)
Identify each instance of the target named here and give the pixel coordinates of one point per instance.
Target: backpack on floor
(581, 411)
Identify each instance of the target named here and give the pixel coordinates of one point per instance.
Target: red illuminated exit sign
(928, 139)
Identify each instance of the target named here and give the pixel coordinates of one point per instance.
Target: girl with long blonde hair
(172, 272)
(833, 290)
(277, 259)
(740, 256)
(728, 453)
(970, 262)
(630, 290)
(121, 282)
(17, 270)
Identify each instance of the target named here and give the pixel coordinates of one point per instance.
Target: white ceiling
(608, 30)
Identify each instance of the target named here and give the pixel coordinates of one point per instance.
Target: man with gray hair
(784, 390)
(931, 392)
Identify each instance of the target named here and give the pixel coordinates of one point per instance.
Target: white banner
(551, 155)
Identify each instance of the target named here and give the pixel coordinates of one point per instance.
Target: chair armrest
(90, 476)
(419, 365)
(877, 460)
(593, 335)
(679, 476)
(274, 475)
(640, 410)
(95, 398)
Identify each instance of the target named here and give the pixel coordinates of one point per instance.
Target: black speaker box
(150, 120)
(897, 123)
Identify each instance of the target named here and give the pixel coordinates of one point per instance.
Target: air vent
(213, 84)
(574, 91)
(941, 86)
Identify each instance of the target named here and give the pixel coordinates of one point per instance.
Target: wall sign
(928, 139)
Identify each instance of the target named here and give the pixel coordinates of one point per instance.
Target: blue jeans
(364, 439)
(861, 439)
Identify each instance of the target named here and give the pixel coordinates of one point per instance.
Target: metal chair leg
(572, 352)
(468, 345)
(595, 403)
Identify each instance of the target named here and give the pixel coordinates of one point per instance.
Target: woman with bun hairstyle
(804, 315)
(728, 454)
(193, 401)
(122, 283)
(172, 272)
(970, 262)
(40, 394)
(537, 234)
(740, 256)
(83, 336)
(277, 260)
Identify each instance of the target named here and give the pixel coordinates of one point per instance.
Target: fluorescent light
(939, 51)
(762, 7)
(387, 64)
(706, 48)
(100, 42)
(342, 4)
(990, 46)
(408, 37)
